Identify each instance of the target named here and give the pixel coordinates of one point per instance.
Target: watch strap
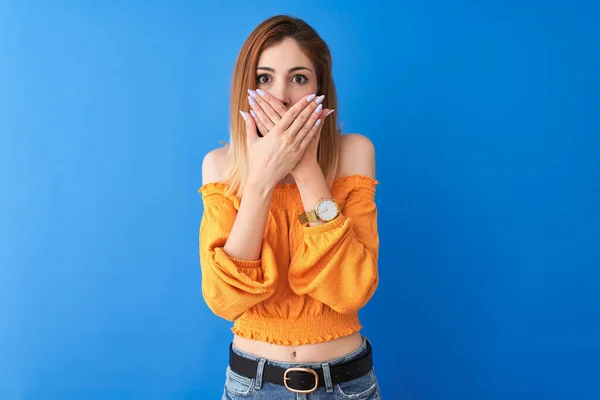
(308, 216)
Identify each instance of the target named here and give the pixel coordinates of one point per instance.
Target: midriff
(307, 353)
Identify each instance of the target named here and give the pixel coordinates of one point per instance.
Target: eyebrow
(299, 68)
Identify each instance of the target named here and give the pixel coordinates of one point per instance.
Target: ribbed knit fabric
(310, 282)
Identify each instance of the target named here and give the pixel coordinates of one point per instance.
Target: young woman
(288, 239)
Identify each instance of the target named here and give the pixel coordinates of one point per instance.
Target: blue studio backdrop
(484, 116)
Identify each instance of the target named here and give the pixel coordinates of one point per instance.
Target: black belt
(302, 380)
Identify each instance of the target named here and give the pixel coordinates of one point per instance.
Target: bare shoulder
(357, 156)
(214, 165)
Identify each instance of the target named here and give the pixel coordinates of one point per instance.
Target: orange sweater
(310, 282)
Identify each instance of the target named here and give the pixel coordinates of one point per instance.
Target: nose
(280, 93)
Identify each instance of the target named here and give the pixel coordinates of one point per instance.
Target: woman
(288, 239)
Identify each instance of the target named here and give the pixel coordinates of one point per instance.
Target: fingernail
(318, 122)
(318, 110)
(243, 114)
(262, 94)
(310, 98)
(253, 113)
(319, 99)
(252, 101)
(329, 112)
(252, 93)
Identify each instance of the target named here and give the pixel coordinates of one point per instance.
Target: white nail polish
(243, 114)
(262, 94)
(253, 113)
(310, 98)
(318, 110)
(319, 99)
(252, 101)
(252, 93)
(329, 112)
(318, 122)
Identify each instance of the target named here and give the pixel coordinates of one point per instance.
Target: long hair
(270, 33)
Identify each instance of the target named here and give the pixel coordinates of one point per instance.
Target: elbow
(219, 307)
(224, 313)
(357, 300)
(230, 305)
(346, 308)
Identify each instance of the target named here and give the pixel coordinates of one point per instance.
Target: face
(286, 73)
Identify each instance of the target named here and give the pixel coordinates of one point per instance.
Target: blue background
(485, 119)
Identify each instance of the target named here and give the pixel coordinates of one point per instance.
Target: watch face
(327, 210)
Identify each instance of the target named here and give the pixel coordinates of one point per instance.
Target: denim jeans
(240, 387)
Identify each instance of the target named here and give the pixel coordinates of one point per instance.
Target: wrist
(259, 188)
(310, 171)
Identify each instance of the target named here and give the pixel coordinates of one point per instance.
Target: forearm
(313, 187)
(337, 262)
(246, 236)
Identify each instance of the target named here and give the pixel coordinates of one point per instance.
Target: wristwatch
(325, 210)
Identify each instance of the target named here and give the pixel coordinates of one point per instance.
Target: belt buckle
(285, 379)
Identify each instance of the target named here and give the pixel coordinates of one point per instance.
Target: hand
(274, 156)
(309, 158)
(267, 111)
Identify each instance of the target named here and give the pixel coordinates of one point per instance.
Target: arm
(239, 268)
(238, 265)
(337, 261)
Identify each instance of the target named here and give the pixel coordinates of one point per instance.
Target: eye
(303, 79)
(264, 78)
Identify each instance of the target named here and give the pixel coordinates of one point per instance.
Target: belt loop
(327, 377)
(259, 373)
